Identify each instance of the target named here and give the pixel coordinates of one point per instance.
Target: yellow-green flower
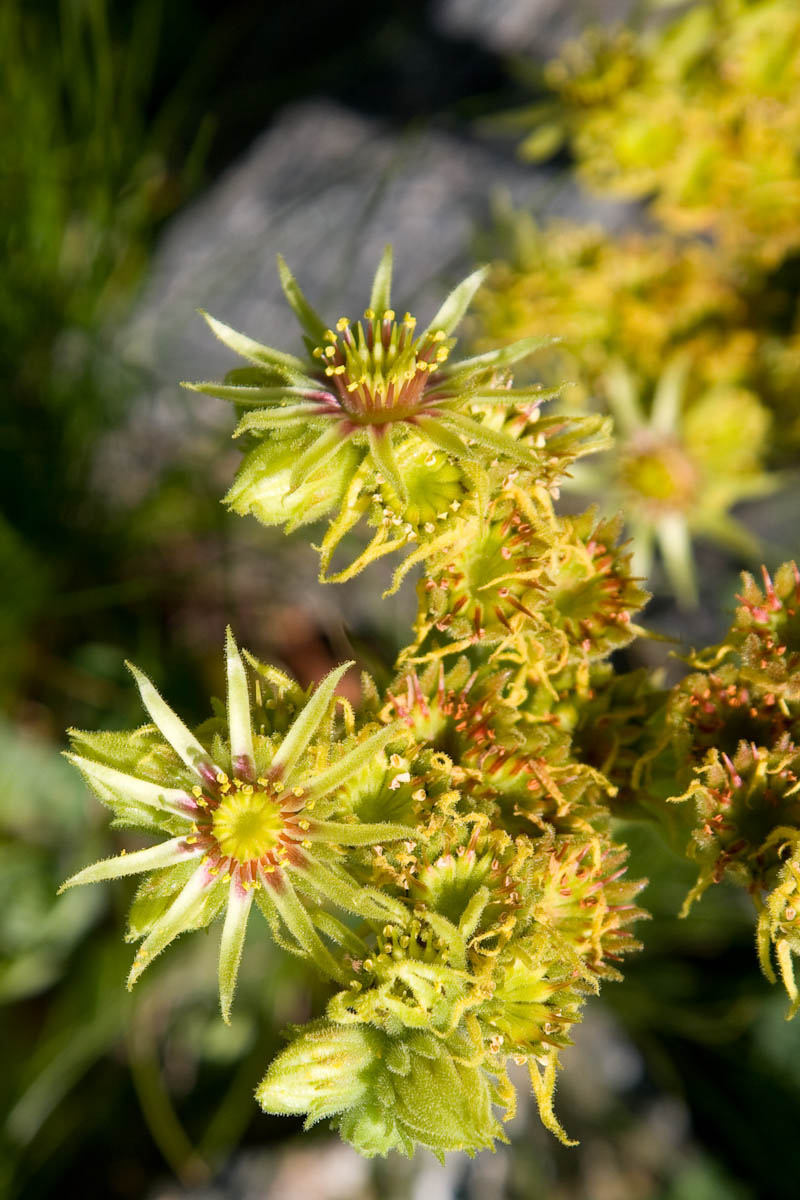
(361, 414)
(250, 814)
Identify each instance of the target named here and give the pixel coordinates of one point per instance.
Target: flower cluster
(701, 113)
(657, 334)
(444, 854)
(716, 760)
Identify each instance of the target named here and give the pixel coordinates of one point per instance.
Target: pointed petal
(262, 356)
(252, 396)
(502, 357)
(675, 544)
(310, 320)
(264, 419)
(622, 400)
(230, 950)
(380, 444)
(298, 922)
(182, 740)
(239, 725)
(666, 409)
(306, 723)
(165, 854)
(339, 772)
(369, 834)
(520, 396)
(445, 439)
(320, 451)
(178, 918)
(457, 303)
(336, 885)
(143, 791)
(380, 296)
(500, 443)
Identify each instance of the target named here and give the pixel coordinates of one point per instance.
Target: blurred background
(155, 155)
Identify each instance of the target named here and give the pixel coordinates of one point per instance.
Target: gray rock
(532, 27)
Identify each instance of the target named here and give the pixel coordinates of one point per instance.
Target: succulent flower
(250, 814)
(701, 113)
(677, 472)
(373, 403)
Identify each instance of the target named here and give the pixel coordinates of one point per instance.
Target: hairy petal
(380, 296)
(457, 303)
(368, 834)
(500, 443)
(239, 724)
(502, 357)
(180, 916)
(339, 772)
(308, 317)
(307, 723)
(263, 356)
(230, 950)
(165, 854)
(262, 420)
(298, 922)
(248, 395)
(182, 740)
(443, 437)
(130, 787)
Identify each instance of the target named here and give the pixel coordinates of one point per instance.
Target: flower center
(378, 368)
(660, 474)
(247, 825)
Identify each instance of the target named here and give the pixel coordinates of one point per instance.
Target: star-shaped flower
(255, 815)
(372, 400)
